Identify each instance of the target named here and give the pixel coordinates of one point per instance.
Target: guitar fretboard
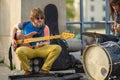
(29, 40)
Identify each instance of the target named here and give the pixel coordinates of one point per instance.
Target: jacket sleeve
(22, 24)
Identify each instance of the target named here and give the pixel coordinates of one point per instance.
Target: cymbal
(94, 34)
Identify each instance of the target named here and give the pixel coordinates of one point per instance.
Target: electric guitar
(25, 41)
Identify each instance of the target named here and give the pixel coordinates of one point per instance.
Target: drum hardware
(94, 35)
(109, 45)
(79, 68)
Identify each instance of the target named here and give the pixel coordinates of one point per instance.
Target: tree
(69, 9)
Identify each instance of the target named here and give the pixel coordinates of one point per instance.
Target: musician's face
(38, 21)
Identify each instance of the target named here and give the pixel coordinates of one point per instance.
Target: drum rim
(83, 61)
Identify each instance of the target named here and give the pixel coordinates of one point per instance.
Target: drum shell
(74, 44)
(106, 59)
(113, 50)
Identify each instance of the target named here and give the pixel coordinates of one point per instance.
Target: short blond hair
(36, 12)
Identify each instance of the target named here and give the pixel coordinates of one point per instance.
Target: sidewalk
(4, 72)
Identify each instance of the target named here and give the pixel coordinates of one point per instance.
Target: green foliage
(14, 67)
(69, 1)
(69, 9)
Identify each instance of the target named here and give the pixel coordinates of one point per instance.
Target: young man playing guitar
(41, 49)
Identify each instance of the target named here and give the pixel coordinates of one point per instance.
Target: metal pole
(107, 11)
(82, 25)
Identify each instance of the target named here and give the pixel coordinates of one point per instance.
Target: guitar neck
(29, 40)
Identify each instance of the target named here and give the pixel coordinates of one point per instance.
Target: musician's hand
(40, 44)
(19, 35)
(117, 29)
(28, 45)
(114, 26)
(14, 43)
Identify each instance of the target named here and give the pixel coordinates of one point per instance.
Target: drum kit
(101, 61)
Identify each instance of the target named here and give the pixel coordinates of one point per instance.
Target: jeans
(49, 52)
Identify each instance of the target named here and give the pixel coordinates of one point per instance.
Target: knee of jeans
(58, 48)
(19, 51)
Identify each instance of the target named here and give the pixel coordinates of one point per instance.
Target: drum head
(96, 62)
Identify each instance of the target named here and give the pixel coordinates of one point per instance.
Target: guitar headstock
(66, 35)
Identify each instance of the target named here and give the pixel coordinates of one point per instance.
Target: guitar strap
(41, 28)
(10, 55)
(10, 48)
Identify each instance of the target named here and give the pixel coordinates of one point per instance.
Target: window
(103, 19)
(92, 18)
(92, 8)
(103, 7)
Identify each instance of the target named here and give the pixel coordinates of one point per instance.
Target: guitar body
(20, 36)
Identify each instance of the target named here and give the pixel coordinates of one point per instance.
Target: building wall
(98, 14)
(15, 11)
(76, 6)
(60, 4)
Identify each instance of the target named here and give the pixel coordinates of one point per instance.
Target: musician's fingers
(14, 43)
(39, 44)
(115, 28)
(114, 25)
